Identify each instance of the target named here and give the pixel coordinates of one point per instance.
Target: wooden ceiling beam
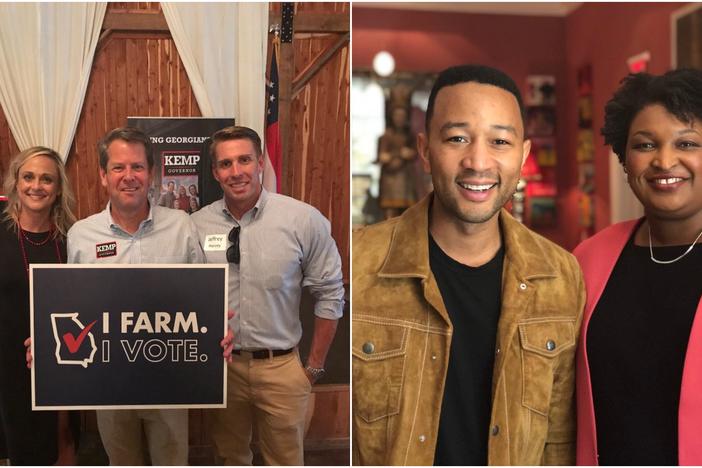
(144, 20)
(135, 20)
(306, 22)
(317, 63)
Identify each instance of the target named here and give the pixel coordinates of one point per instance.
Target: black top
(636, 343)
(30, 436)
(472, 298)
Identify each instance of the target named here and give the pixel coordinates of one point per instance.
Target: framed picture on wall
(541, 121)
(545, 151)
(585, 150)
(541, 90)
(542, 211)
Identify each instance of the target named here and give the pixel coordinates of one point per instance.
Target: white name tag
(216, 242)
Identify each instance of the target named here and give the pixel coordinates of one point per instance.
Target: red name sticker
(108, 249)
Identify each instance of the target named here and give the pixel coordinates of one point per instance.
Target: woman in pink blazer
(639, 362)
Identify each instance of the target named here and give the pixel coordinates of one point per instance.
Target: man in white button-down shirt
(275, 246)
(140, 233)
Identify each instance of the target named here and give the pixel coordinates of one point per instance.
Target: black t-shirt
(636, 343)
(472, 297)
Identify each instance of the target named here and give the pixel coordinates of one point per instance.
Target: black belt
(263, 353)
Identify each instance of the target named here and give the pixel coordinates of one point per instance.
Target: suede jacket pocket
(378, 368)
(542, 342)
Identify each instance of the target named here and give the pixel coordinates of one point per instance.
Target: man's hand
(227, 342)
(311, 377)
(324, 331)
(28, 352)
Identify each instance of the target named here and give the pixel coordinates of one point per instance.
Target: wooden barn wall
(132, 75)
(320, 133)
(319, 175)
(8, 146)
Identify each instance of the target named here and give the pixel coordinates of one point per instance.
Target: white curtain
(623, 204)
(223, 49)
(46, 54)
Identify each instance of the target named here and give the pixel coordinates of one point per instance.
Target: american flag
(272, 128)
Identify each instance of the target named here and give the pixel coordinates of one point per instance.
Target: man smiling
(464, 321)
(274, 245)
(136, 232)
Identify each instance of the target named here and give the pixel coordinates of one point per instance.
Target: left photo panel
(175, 233)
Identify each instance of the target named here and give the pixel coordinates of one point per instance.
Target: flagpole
(272, 174)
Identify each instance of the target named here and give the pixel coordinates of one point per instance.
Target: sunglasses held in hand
(233, 255)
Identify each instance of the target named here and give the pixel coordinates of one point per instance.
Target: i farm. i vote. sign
(128, 336)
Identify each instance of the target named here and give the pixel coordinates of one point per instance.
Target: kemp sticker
(108, 249)
(128, 336)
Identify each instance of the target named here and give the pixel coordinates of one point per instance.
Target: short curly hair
(679, 91)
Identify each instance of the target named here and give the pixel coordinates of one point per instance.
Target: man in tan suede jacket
(464, 321)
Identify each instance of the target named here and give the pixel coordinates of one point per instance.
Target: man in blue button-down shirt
(275, 246)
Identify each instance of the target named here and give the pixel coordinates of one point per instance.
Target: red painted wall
(601, 34)
(431, 41)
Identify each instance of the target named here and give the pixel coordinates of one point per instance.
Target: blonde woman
(33, 229)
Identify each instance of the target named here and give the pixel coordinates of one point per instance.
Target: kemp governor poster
(128, 336)
(182, 176)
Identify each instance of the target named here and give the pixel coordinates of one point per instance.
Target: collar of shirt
(142, 226)
(250, 215)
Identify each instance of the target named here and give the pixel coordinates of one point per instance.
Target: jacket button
(522, 286)
(497, 351)
(495, 430)
(422, 438)
(433, 357)
(550, 345)
(368, 347)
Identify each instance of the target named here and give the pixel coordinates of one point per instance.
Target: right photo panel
(527, 216)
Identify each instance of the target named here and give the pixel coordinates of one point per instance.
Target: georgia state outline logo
(75, 344)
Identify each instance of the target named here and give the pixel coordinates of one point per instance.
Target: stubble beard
(450, 201)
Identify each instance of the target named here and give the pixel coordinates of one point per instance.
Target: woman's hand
(28, 352)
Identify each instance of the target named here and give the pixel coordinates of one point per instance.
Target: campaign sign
(128, 336)
(182, 176)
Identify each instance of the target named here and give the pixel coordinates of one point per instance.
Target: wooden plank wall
(319, 172)
(319, 175)
(133, 75)
(8, 146)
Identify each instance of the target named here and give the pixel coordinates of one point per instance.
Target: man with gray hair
(142, 233)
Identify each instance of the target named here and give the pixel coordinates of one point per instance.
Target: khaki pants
(122, 433)
(270, 394)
